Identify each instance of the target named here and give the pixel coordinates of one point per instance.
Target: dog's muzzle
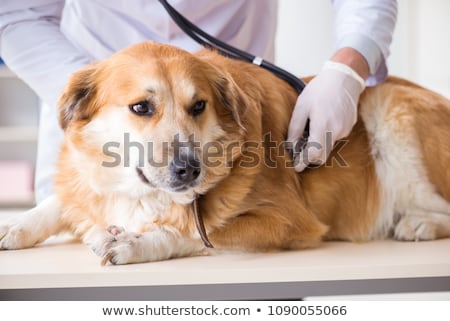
(184, 170)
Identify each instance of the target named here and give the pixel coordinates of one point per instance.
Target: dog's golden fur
(250, 208)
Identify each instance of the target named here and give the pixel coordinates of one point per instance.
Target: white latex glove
(330, 101)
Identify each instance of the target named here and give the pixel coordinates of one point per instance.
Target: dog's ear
(232, 99)
(75, 102)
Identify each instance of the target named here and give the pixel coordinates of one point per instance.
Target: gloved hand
(330, 101)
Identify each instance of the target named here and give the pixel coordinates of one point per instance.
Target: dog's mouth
(174, 186)
(144, 178)
(178, 188)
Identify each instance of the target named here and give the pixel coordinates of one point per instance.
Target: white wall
(305, 38)
(420, 50)
(428, 43)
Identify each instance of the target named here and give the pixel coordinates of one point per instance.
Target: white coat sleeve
(366, 26)
(33, 47)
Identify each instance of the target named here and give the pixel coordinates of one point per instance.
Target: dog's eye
(198, 108)
(143, 108)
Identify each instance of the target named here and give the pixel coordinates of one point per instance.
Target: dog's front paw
(99, 238)
(15, 236)
(124, 248)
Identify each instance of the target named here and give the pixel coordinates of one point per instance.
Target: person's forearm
(353, 59)
(367, 27)
(32, 46)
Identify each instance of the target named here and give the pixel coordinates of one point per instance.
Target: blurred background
(420, 49)
(420, 52)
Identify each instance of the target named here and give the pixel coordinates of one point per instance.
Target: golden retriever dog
(152, 128)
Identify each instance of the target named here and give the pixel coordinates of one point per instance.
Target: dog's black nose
(185, 169)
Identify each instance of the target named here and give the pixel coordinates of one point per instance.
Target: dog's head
(154, 117)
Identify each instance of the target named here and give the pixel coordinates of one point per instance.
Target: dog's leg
(264, 230)
(34, 226)
(155, 245)
(421, 225)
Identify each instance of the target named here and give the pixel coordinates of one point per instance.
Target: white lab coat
(44, 41)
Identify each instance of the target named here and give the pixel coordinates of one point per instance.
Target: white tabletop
(66, 263)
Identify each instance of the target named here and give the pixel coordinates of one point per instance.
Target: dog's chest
(135, 214)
